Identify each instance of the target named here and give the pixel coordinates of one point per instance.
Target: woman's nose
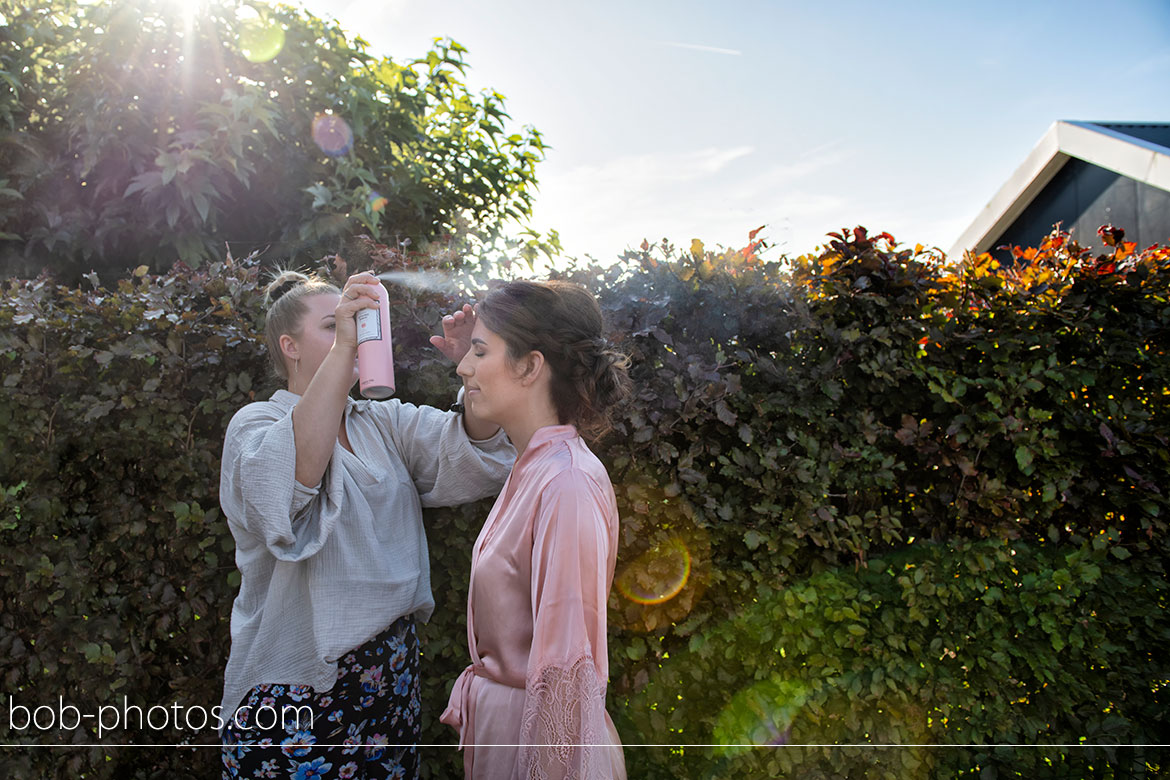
(463, 369)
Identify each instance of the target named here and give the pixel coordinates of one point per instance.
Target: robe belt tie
(460, 712)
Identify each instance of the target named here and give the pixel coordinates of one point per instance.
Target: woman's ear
(532, 367)
(289, 348)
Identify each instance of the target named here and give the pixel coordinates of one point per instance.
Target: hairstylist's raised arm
(325, 372)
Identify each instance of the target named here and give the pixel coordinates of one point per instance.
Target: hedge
(868, 497)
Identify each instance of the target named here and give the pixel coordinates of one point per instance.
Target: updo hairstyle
(563, 322)
(284, 300)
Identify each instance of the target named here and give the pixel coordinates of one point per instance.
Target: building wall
(1082, 197)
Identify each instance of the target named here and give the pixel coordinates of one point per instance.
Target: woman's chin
(480, 413)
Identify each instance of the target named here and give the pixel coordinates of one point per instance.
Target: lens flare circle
(376, 201)
(658, 575)
(332, 134)
(260, 40)
(760, 715)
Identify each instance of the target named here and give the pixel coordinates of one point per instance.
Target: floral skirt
(365, 728)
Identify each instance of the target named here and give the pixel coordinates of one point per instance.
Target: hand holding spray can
(375, 350)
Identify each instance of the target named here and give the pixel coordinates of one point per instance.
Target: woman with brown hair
(532, 702)
(323, 495)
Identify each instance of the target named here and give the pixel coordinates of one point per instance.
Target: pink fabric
(532, 703)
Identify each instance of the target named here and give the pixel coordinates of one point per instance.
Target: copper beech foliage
(869, 495)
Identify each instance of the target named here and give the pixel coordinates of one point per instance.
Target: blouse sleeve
(563, 726)
(447, 467)
(259, 492)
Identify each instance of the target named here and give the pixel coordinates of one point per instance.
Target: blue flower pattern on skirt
(366, 728)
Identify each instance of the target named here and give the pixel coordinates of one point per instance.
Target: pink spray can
(375, 351)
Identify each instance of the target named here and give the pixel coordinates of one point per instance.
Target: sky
(681, 119)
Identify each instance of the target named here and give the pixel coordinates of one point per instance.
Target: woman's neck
(521, 430)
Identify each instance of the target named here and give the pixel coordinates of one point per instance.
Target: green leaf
(321, 195)
(636, 650)
(724, 413)
(1024, 457)
(202, 205)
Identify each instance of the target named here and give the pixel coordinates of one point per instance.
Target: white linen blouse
(325, 568)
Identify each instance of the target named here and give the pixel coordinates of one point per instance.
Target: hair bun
(278, 287)
(611, 376)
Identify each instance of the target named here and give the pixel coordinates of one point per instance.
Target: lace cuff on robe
(563, 732)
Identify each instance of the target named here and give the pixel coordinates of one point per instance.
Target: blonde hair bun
(284, 281)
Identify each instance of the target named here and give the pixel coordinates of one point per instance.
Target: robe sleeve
(259, 492)
(563, 730)
(447, 467)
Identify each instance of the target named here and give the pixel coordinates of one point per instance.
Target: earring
(297, 367)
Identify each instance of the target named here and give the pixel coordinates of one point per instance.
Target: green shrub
(136, 133)
(867, 498)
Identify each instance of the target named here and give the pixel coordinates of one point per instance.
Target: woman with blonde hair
(324, 497)
(532, 702)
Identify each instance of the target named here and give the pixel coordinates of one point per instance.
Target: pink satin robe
(532, 703)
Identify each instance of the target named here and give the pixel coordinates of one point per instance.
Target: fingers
(362, 289)
(356, 298)
(459, 317)
(364, 277)
(354, 291)
(456, 338)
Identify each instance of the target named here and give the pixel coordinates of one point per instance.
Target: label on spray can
(369, 326)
